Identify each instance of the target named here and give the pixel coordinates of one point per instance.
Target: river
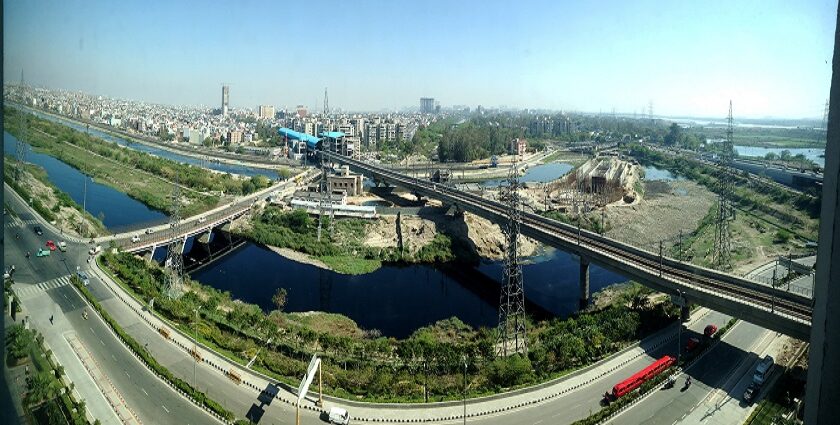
(395, 299)
(814, 154)
(163, 153)
(542, 173)
(116, 209)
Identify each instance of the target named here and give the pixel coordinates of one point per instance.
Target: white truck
(62, 246)
(762, 371)
(95, 250)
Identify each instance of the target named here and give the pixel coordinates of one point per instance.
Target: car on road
(692, 344)
(51, 245)
(710, 331)
(149, 231)
(135, 239)
(202, 219)
(95, 250)
(751, 392)
(339, 416)
(43, 253)
(38, 231)
(62, 246)
(83, 277)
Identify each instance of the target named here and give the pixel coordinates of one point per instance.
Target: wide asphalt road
(151, 399)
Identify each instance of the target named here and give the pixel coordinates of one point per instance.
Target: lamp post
(195, 347)
(465, 388)
(679, 325)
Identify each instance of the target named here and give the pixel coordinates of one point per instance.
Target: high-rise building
(427, 105)
(225, 99)
(301, 111)
(266, 111)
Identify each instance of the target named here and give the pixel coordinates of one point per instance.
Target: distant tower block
(427, 105)
(225, 99)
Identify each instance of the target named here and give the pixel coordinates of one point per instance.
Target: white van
(339, 416)
(762, 371)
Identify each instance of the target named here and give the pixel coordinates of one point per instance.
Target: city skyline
(545, 56)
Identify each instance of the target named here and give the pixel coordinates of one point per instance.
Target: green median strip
(199, 397)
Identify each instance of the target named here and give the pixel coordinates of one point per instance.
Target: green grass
(350, 265)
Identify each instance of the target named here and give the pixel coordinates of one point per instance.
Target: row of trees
(387, 369)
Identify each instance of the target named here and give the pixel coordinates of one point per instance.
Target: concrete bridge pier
(584, 283)
(151, 255)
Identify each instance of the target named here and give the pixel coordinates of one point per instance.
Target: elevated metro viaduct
(760, 304)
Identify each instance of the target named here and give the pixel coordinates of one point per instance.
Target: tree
(785, 156)
(771, 156)
(674, 134)
(279, 298)
(208, 141)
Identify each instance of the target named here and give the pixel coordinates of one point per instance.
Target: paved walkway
(86, 387)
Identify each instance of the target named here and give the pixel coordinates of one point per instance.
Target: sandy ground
(664, 210)
(67, 218)
(486, 237)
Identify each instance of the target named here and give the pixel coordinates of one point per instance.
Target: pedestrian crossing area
(31, 290)
(17, 222)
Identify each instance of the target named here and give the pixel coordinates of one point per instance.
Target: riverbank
(51, 203)
(222, 157)
(144, 177)
(359, 365)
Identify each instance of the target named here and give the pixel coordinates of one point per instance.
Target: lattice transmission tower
(20, 146)
(326, 199)
(725, 212)
(512, 332)
(174, 264)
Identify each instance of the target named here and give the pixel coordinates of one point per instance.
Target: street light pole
(465, 389)
(679, 328)
(195, 347)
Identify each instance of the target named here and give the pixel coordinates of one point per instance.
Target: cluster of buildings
(253, 130)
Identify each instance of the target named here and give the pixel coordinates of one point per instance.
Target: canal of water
(395, 299)
(163, 153)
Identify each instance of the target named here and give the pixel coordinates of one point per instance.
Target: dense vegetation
(364, 366)
(47, 399)
(344, 250)
(150, 361)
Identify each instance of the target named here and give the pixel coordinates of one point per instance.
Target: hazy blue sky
(772, 58)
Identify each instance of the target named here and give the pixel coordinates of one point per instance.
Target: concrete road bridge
(760, 304)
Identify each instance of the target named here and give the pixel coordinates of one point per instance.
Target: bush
(510, 371)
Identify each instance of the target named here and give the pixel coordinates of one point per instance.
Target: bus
(642, 376)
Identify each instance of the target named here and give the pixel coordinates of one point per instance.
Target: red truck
(641, 377)
(708, 333)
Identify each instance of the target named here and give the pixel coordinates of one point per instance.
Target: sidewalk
(258, 384)
(86, 388)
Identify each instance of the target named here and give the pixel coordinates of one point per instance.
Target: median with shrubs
(196, 396)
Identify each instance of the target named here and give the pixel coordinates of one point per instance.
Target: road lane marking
(100, 341)
(126, 374)
(164, 408)
(91, 331)
(144, 391)
(112, 356)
